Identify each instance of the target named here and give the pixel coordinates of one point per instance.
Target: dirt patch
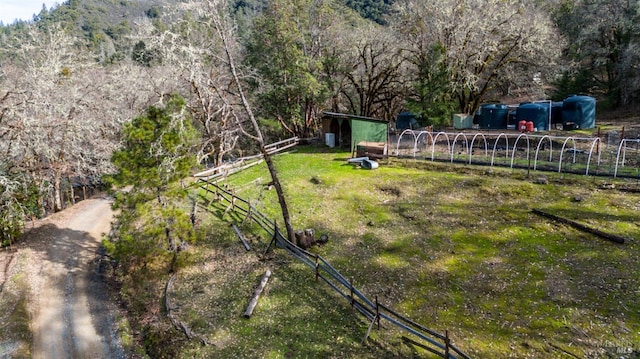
(392, 190)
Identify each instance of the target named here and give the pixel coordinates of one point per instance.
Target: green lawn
(452, 247)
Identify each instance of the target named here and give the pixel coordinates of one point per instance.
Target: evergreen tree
(284, 50)
(156, 155)
(430, 99)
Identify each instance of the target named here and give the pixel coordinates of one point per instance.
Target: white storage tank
(330, 139)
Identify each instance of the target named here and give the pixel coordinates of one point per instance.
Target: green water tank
(579, 112)
(494, 116)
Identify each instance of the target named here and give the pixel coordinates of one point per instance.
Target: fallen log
(580, 226)
(241, 236)
(256, 295)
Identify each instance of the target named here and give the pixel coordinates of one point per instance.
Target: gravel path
(70, 309)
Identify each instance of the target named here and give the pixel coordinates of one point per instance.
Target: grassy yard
(452, 247)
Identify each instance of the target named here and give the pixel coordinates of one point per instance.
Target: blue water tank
(493, 116)
(579, 112)
(512, 119)
(406, 120)
(538, 113)
(556, 112)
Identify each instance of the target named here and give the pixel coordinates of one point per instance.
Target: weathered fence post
(241, 236)
(377, 313)
(446, 344)
(249, 216)
(273, 239)
(217, 194)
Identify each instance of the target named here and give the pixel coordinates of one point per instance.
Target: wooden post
(366, 335)
(241, 236)
(249, 214)
(377, 312)
(529, 163)
(256, 295)
(273, 239)
(215, 197)
(447, 343)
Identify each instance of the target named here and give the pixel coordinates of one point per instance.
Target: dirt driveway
(67, 301)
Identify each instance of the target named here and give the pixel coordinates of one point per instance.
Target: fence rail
(240, 164)
(430, 340)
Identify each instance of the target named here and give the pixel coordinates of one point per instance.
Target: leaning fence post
(446, 344)
(249, 215)
(213, 198)
(273, 239)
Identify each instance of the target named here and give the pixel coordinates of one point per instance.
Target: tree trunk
(71, 191)
(281, 197)
(57, 195)
(219, 21)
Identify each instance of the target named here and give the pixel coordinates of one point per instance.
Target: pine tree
(156, 155)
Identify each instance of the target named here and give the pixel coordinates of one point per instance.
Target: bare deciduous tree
(374, 82)
(190, 57)
(231, 95)
(63, 112)
(604, 45)
(485, 42)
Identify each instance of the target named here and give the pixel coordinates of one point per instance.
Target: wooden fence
(240, 164)
(432, 341)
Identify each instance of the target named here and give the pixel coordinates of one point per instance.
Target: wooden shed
(357, 133)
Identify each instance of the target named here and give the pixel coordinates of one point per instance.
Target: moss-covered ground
(454, 248)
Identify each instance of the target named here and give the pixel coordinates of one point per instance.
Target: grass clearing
(452, 247)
